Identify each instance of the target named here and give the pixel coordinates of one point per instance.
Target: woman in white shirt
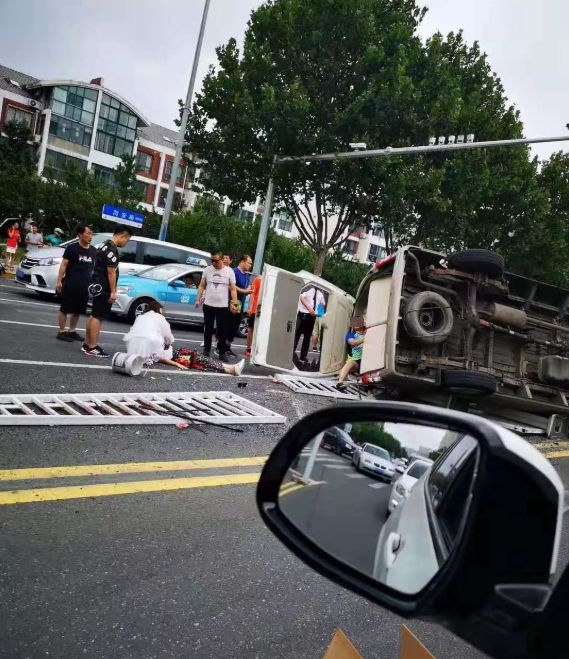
(151, 337)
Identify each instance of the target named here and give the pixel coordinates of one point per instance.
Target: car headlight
(401, 491)
(52, 261)
(124, 290)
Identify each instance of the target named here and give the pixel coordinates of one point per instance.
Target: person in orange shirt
(252, 312)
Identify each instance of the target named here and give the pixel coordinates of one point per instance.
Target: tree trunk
(319, 258)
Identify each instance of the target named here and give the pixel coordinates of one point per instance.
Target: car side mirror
(474, 542)
(178, 283)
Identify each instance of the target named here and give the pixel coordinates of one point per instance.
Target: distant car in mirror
(404, 484)
(473, 547)
(375, 460)
(401, 464)
(338, 441)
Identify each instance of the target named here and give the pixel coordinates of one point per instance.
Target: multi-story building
(90, 126)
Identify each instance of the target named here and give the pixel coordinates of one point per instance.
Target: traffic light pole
(376, 153)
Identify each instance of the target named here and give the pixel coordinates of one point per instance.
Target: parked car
(174, 285)
(338, 441)
(402, 487)
(375, 460)
(39, 269)
(401, 465)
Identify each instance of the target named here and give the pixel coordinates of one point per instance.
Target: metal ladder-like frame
(131, 409)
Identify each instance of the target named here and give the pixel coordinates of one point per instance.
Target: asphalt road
(159, 572)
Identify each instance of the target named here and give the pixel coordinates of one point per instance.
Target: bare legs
(347, 368)
(73, 320)
(93, 331)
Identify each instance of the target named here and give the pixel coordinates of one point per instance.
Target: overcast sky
(144, 48)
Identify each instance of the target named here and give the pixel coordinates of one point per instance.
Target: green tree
(128, 191)
(373, 433)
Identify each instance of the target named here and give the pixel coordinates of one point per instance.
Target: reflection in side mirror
(347, 493)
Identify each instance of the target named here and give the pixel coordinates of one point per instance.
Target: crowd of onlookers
(31, 237)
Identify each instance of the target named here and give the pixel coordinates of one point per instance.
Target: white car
(404, 484)
(39, 269)
(375, 460)
(401, 465)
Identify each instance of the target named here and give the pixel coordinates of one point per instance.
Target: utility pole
(376, 153)
(182, 133)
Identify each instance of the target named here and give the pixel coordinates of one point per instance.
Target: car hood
(46, 253)
(382, 462)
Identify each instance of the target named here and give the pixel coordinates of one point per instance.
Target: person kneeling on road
(355, 342)
(103, 288)
(73, 282)
(151, 337)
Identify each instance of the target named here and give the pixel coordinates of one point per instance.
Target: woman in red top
(12, 243)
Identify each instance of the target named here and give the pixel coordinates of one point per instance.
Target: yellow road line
(34, 473)
(556, 454)
(546, 446)
(113, 489)
(288, 490)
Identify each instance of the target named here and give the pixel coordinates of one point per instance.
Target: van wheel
(137, 308)
(478, 261)
(428, 318)
(469, 383)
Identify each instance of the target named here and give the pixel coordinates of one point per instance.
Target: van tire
(470, 383)
(428, 318)
(132, 312)
(478, 261)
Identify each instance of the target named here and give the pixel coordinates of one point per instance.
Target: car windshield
(163, 272)
(418, 469)
(376, 450)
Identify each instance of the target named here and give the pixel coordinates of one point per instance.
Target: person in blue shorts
(355, 344)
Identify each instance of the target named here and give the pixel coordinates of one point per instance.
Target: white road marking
(30, 362)
(377, 486)
(335, 466)
(356, 476)
(81, 329)
(41, 304)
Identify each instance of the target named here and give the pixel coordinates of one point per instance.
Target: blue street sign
(122, 216)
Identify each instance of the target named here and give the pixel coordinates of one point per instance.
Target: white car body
(39, 268)
(402, 487)
(375, 460)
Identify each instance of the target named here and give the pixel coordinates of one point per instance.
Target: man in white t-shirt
(308, 302)
(218, 285)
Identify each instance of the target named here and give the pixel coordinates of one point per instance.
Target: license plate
(20, 275)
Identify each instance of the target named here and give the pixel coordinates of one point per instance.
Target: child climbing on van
(355, 344)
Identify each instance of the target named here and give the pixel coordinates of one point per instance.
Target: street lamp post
(432, 147)
(182, 133)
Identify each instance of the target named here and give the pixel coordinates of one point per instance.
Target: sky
(144, 48)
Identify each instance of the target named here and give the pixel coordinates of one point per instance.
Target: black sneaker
(64, 336)
(230, 353)
(75, 336)
(205, 353)
(97, 351)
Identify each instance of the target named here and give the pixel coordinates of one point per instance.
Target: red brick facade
(21, 106)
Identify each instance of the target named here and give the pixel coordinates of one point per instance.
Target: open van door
(376, 314)
(273, 340)
(275, 324)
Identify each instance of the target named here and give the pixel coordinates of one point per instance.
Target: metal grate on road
(321, 387)
(131, 408)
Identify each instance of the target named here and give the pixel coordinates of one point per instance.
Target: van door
(376, 315)
(275, 324)
(335, 324)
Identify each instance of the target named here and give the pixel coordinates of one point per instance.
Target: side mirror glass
(178, 283)
(344, 493)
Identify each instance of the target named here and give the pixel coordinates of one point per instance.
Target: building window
(116, 129)
(377, 230)
(144, 162)
(168, 172)
(56, 164)
(284, 223)
(17, 116)
(176, 204)
(375, 253)
(75, 103)
(104, 175)
(71, 131)
(162, 197)
(351, 247)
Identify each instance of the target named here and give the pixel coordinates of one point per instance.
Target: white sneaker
(239, 367)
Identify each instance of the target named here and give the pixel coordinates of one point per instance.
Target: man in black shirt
(73, 282)
(103, 288)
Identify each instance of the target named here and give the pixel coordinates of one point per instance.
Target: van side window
(128, 252)
(161, 254)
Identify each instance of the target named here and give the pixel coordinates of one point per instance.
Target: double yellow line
(125, 487)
